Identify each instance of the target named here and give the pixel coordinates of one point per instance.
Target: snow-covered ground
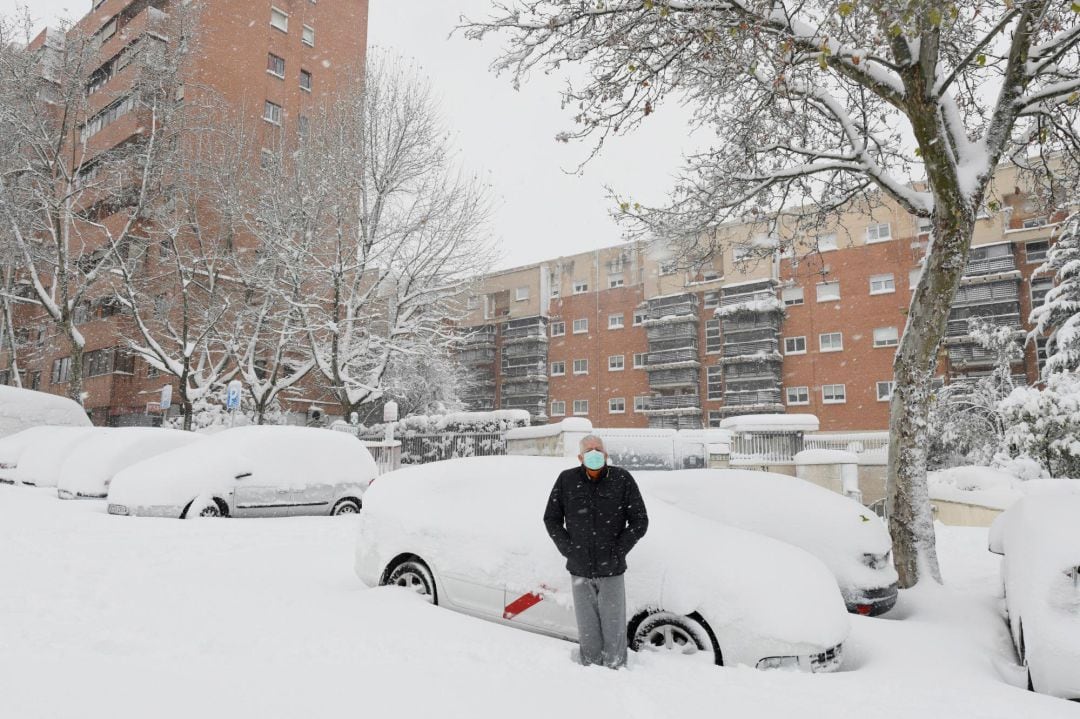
(116, 617)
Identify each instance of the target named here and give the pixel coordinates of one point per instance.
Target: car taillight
(863, 609)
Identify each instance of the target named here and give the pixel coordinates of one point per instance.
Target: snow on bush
(1058, 317)
(1045, 424)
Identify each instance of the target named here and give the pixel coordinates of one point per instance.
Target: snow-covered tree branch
(816, 107)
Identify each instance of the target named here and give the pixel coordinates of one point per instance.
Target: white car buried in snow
(850, 539)
(1039, 540)
(257, 471)
(468, 535)
(92, 462)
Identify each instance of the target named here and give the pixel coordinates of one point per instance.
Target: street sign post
(166, 398)
(232, 399)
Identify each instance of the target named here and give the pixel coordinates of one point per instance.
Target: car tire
(217, 508)
(346, 506)
(412, 573)
(667, 632)
(1021, 647)
(1030, 684)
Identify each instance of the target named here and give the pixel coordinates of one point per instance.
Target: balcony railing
(537, 350)
(687, 377)
(670, 356)
(1002, 291)
(746, 399)
(683, 309)
(524, 370)
(477, 356)
(973, 354)
(676, 401)
(959, 327)
(989, 265)
(671, 332)
(529, 332)
(734, 299)
(765, 447)
(739, 349)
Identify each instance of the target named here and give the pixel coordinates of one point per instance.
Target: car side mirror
(243, 475)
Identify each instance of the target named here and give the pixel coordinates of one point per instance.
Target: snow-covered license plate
(118, 509)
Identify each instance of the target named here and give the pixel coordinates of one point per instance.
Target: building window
(798, 395)
(925, 224)
(1039, 288)
(61, 369)
(614, 281)
(151, 371)
(712, 299)
(279, 20)
(639, 317)
(275, 65)
(714, 385)
(1036, 251)
(616, 405)
(266, 159)
(913, 278)
(641, 402)
(827, 242)
(616, 363)
(581, 366)
(792, 296)
(878, 233)
(713, 342)
(106, 117)
(668, 267)
(831, 341)
(308, 36)
(884, 390)
(558, 329)
(558, 369)
(639, 359)
(615, 322)
(882, 284)
(886, 337)
(795, 345)
(1033, 222)
(521, 294)
(580, 287)
(305, 80)
(558, 408)
(272, 113)
(581, 326)
(581, 406)
(833, 393)
(715, 418)
(828, 291)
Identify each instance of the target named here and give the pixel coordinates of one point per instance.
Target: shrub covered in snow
(1058, 317)
(1045, 424)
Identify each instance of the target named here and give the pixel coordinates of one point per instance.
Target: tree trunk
(911, 522)
(75, 372)
(187, 409)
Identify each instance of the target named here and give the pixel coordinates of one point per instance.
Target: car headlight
(790, 663)
(876, 561)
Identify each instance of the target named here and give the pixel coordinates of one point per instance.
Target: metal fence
(765, 447)
(387, 455)
(424, 448)
(863, 444)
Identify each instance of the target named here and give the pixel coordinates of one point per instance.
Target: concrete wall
(961, 514)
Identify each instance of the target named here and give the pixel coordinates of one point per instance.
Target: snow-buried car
(467, 535)
(249, 472)
(850, 539)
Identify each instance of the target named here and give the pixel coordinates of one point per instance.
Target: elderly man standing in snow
(595, 516)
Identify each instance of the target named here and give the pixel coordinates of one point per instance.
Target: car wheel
(215, 508)
(675, 634)
(346, 506)
(1030, 684)
(1021, 647)
(413, 574)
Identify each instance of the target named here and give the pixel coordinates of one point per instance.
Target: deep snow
(118, 617)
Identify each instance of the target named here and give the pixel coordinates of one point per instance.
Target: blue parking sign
(232, 396)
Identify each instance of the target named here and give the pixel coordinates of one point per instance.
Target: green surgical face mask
(594, 459)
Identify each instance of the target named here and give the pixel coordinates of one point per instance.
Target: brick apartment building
(626, 338)
(269, 60)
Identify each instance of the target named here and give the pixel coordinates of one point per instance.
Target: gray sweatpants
(600, 607)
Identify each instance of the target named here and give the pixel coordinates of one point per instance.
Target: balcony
(989, 265)
(533, 328)
(524, 386)
(535, 350)
(959, 327)
(663, 333)
(980, 294)
(536, 369)
(671, 378)
(673, 306)
(749, 335)
(480, 337)
(672, 356)
(659, 403)
(534, 405)
(751, 398)
(745, 323)
(477, 356)
(973, 355)
(727, 300)
(676, 344)
(742, 349)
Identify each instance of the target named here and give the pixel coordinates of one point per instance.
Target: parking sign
(232, 397)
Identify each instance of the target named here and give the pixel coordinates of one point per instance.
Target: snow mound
(90, 466)
(984, 486)
(24, 408)
(42, 458)
(826, 456)
(570, 424)
(771, 423)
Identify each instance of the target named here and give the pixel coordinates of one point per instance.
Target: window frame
(272, 61)
(580, 372)
(585, 411)
(895, 342)
(307, 29)
(820, 285)
(580, 287)
(843, 393)
(518, 296)
(282, 13)
(640, 365)
(796, 351)
(620, 362)
(892, 388)
(792, 303)
(886, 278)
(821, 342)
(310, 80)
(804, 393)
(879, 238)
(552, 368)
(561, 325)
(621, 324)
(612, 400)
(267, 106)
(585, 327)
(558, 412)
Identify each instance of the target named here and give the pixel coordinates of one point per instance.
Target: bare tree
(376, 225)
(184, 293)
(73, 206)
(825, 104)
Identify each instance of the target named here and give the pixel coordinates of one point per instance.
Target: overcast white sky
(541, 211)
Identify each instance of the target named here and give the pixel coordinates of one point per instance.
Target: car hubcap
(670, 638)
(415, 582)
(347, 509)
(210, 512)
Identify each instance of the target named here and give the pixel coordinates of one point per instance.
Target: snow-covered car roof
(481, 517)
(40, 461)
(94, 460)
(834, 528)
(24, 408)
(280, 456)
(1042, 530)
